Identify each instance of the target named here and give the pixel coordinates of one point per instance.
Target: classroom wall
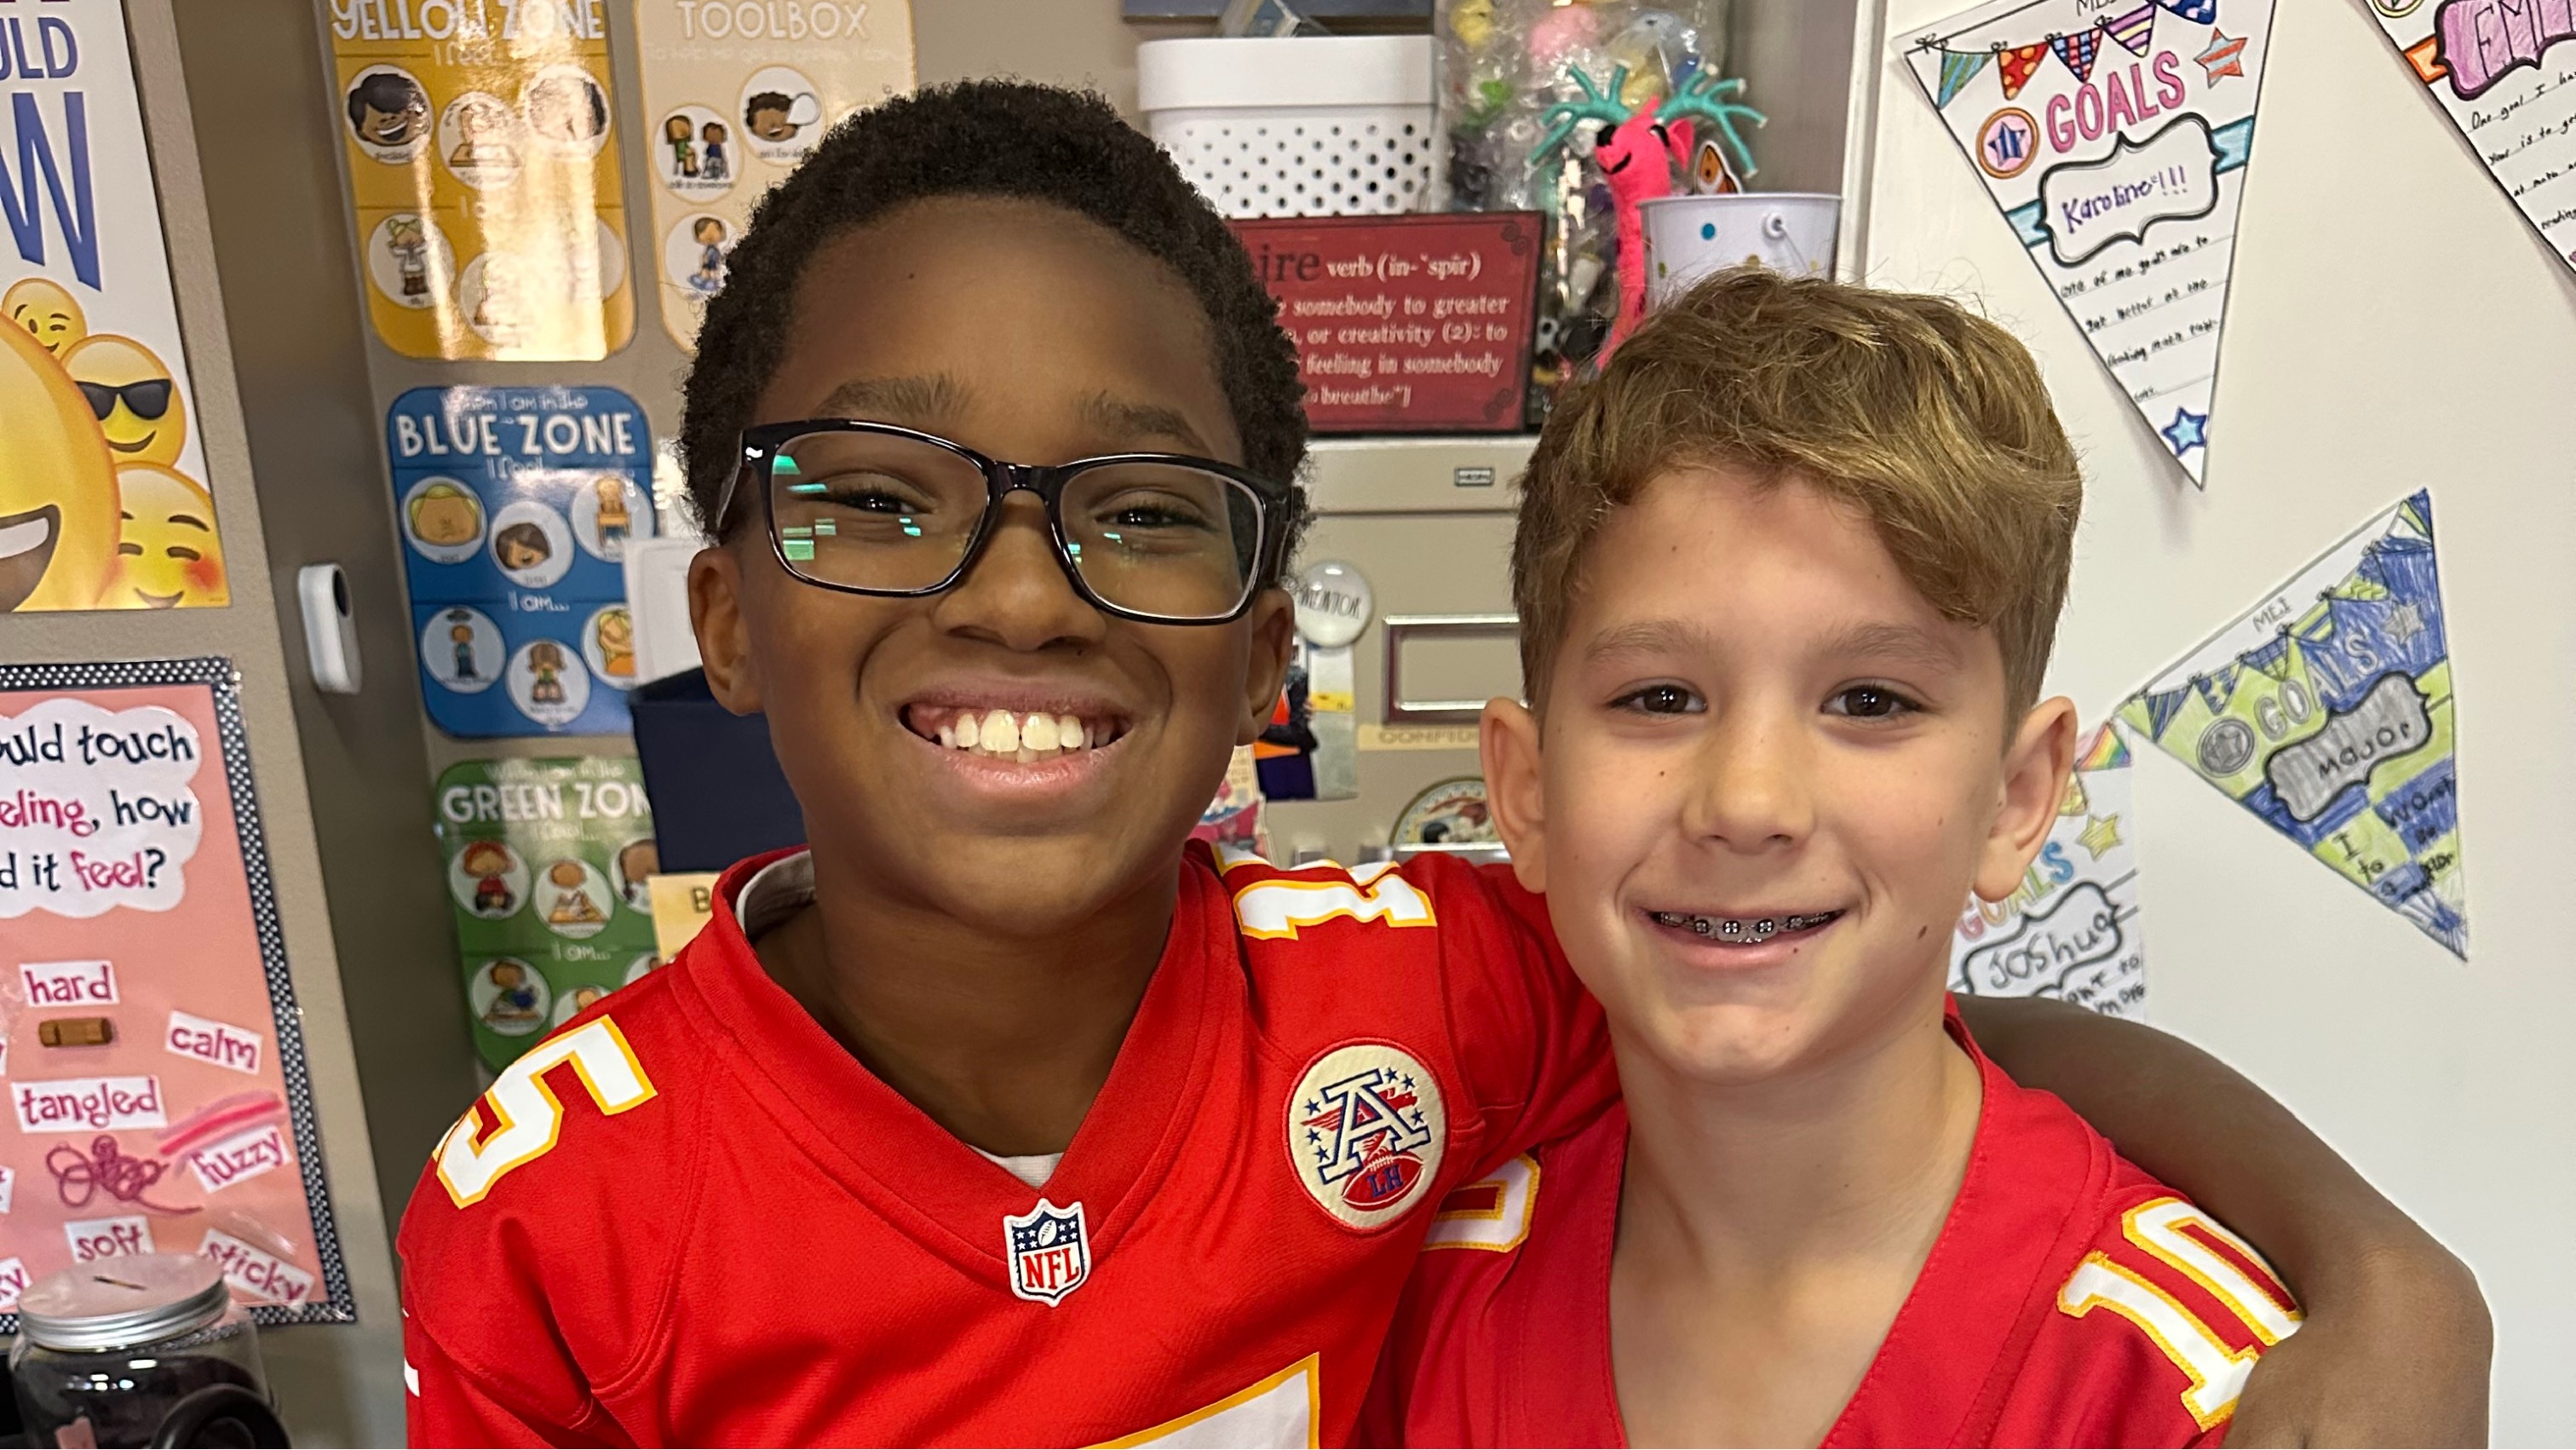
(2394, 325)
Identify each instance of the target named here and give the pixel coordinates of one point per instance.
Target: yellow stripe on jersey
(2157, 1227)
(527, 1113)
(1276, 908)
(1499, 1229)
(1280, 1413)
(2217, 1373)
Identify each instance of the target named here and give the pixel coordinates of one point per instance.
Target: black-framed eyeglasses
(871, 508)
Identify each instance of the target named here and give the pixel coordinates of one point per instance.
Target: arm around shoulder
(2397, 1343)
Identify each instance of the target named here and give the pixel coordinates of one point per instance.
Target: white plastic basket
(1316, 126)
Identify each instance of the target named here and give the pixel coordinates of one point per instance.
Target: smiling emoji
(169, 554)
(57, 485)
(40, 305)
(138, 408)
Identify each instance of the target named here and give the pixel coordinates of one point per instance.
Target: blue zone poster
(516, 506)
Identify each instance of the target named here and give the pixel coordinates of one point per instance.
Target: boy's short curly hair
(988, 138)
(1929, 419)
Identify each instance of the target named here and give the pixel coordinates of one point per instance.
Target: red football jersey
(2070, 1300)
(692, 1218)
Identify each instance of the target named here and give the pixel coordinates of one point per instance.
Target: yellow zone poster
(480, 137)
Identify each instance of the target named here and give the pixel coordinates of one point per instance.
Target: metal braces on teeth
(1734, 929)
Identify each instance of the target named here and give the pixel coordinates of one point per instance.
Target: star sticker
(2225, 56)
(2100, 834)
(2404, 623)
(2188, 430)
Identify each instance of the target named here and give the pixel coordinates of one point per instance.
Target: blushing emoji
(130, 393)
(40, 305)
(169, 554)
(57, 485)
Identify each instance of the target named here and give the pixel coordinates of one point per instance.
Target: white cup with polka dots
(1688, 237)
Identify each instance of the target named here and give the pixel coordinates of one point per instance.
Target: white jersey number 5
(526, 1114)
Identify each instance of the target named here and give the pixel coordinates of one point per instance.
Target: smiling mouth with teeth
(1025, 736)
(1741, 930)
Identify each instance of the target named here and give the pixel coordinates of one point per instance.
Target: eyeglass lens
(878, 511)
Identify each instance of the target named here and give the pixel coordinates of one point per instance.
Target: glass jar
(111, 1351)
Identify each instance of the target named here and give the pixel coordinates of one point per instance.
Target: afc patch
(1366, 1129)
(1050, 1252)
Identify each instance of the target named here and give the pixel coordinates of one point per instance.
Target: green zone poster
(548, 864)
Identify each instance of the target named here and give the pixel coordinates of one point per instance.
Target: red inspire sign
(1406, 324)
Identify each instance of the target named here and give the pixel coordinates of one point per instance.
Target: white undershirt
(784, 887)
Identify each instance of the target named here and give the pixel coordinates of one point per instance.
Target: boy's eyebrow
(1892, 642)
(1897, 642)
(915, 399)
(1649, 637)
(1122, 418)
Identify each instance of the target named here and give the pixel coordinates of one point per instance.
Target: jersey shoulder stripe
(1271, 904)
(2199, 1294)
(1492, 1214)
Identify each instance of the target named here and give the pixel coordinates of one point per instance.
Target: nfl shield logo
(1050, 1252)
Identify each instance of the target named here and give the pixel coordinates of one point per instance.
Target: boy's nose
(1751, 786)
(1016, 595)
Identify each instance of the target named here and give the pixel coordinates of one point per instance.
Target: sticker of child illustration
(636, 862)
(531, 543)
(510, 997)
(442, 520)
(462, 650)
(608, 645)
(388, 113)
(577, 1001)
(607, 510)
(549, 685)
(409, 261)
(692, 161)
(576, 900)
(488, 879)
(781, 115)
(480, 140)
(567, 110)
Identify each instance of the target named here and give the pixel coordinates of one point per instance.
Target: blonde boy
(1788, 577)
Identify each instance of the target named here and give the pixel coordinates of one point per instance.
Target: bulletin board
(2394, 328)
(149, 1037)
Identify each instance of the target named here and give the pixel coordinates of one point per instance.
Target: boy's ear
(2035, 771)
(1507, 737)
(1274, 629)
(724, 640)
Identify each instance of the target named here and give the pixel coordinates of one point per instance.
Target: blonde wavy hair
(1929, 419)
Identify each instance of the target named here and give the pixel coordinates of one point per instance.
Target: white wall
(2394, 325)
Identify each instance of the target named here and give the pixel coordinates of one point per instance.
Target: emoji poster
(2070, 930)
(2113, 135)
(549, 867)
(103, 498)
(148, 1026)
(483, 168)
(734, 96)
(516, 506)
